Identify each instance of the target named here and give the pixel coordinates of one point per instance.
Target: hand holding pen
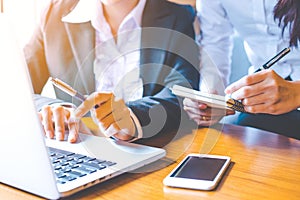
(111, 114)
(263, 92)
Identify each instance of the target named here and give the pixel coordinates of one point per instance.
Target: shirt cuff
(138, 127)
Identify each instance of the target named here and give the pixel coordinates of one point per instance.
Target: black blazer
(169, 55)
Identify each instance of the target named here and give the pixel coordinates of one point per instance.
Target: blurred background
(24, 16)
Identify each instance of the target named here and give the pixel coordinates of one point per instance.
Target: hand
(202, 114)
(112, 115)
(266, 92)
(56, 119)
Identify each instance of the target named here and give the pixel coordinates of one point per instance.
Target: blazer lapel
(82, 42)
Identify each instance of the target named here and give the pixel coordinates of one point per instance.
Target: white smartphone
(198, 171)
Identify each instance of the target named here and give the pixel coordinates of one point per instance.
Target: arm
(54, 114)
(216, 43)
(172, 59)
(159, 111)
(162, 112)
(215, 60)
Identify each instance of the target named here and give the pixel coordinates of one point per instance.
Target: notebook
(27, 162)
(212, 100)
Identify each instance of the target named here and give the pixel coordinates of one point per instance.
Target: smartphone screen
(198, 171)
(199, 168)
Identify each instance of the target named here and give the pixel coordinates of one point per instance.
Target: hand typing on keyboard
(56, 119)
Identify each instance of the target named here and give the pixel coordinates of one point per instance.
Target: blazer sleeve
(160, 112)
(36, 49)
(35, 55)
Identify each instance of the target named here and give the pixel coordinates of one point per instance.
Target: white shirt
(253, 20)
(116, 65)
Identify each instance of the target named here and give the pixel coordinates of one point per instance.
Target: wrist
(135, 132)
(138, 132)
(128, 135)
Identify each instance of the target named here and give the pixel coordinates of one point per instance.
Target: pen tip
(53, 80)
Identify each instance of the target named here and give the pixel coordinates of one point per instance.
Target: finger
(40, 116)
(90, 102)
(41, 119)
(213, 112)
(189, 103)
(202, 106)
(112, 130)
(115, 108)
(115, 117)
(191, 111)
(256, 84)
(247, 91)
(47, 121)
(194, 117)
(205, 118)
(196, 110)
(208, 123)
(273, 109)
(256, 100)
(198, 118)
(59, 121)
(73, 126)
(104, 110)
(245, 81)
(201, 122)
(122, 133)
(107, 121)
(260, 108)
(230, 112)
(67, 114)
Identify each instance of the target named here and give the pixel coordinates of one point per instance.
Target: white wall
(23, 16)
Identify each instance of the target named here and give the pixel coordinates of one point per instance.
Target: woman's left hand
(202, 114)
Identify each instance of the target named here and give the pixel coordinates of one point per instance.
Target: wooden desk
(264, 166)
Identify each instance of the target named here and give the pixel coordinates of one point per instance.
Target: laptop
(29, 161)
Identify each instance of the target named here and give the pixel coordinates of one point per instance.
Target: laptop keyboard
(69, 166)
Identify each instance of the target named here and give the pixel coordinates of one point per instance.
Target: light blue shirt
(254, 22)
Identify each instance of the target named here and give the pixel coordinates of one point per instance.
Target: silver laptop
(28, 163)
